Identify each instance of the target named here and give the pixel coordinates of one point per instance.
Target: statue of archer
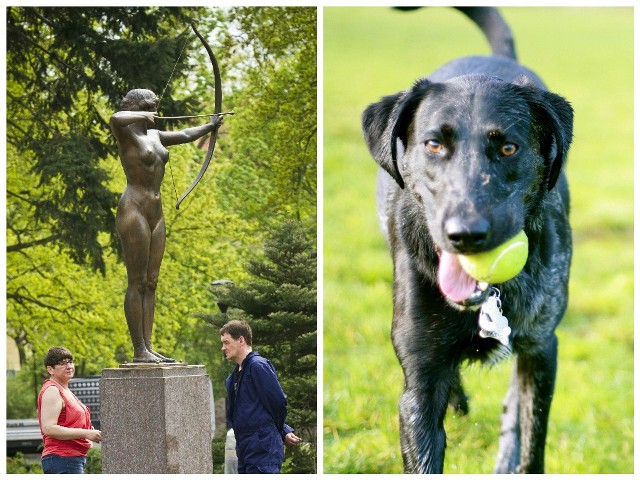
(139, 219)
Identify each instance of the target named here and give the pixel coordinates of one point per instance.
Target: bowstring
(175, 65)
(173, 70)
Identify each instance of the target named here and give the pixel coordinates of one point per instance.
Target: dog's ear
(554, 123)
(406, 111)
(386, 122)
(375, 122)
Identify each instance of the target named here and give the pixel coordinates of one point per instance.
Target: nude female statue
(139, 219)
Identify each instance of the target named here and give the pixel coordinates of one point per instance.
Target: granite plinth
(155, 418)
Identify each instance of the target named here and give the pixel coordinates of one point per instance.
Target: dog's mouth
(456, 285)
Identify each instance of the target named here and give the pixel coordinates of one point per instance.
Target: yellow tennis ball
(500, 264)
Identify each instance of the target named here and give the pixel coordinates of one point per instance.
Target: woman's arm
(189, 134)
(51, 407)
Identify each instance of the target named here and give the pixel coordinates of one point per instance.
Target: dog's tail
(492, 25)
(494, 28)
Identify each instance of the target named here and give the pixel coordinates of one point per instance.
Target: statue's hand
(216, 121)
(150, 117)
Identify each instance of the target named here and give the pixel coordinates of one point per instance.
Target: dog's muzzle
(460, 289)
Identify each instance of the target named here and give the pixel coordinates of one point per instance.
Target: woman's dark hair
(55, 355)
(139, 99)
(237, 329)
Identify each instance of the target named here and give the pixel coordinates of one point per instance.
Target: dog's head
(477, 155)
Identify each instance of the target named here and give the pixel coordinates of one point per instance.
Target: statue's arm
(188, 134)
(124, 118)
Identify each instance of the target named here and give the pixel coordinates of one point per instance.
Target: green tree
(280, 303)
(21, 403)
(65, 66)
(67, 70)
(274, 168)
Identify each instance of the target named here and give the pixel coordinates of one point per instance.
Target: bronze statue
(139, 219)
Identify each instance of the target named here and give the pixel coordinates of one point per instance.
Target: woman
(65, 421)
(139, 219)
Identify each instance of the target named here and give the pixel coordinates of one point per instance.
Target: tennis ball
(500, 264)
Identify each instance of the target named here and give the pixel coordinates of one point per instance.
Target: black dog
(469, 157)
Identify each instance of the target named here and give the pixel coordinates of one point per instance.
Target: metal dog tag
(491, 321)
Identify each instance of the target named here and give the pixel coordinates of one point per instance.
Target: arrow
(195, 116)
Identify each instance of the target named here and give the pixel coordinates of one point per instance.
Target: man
(256, 404)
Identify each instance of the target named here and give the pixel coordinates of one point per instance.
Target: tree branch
(34, 243)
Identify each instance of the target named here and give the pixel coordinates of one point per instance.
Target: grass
(584, 54)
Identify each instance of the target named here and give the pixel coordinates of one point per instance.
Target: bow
(217, 111)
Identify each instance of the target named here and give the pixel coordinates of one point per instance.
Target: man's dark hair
(55, 355)
(237, 329)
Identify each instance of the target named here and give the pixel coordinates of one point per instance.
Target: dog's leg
(509, 450)
(536, 380)
(422, 435)
(458, 398)
(429, 368)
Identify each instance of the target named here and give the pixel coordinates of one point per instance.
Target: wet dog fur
(449, 181)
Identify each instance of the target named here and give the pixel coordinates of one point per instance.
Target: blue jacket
(255, 398)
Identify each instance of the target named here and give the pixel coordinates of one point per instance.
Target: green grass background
(584, 54)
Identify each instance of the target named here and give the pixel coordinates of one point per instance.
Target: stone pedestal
(156, 418)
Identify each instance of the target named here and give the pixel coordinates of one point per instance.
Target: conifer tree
(279, 303)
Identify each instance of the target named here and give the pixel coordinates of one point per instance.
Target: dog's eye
(433, 146)
(508, 149)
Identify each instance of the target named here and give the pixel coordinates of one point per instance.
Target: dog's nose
(467, 235)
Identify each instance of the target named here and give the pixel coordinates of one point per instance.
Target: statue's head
(140, 99)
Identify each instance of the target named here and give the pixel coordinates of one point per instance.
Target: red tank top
(74, 414)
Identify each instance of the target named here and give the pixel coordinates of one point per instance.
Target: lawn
(584, 54)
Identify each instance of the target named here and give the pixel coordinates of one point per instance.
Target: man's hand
(291, 439)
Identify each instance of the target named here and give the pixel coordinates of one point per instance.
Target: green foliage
(94, 461)
(18, 464)
(67, 69)
(53, 301)
(61, 74)
(279, 302)
(60, 195)
(218, 453)
(273, 170)
(24, 388)
(362, 377)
